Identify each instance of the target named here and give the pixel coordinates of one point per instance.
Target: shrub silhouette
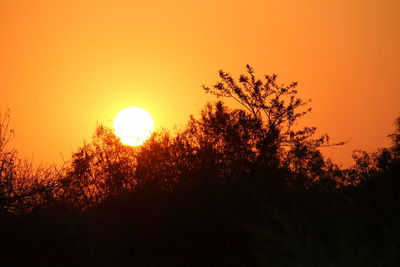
(22, 186)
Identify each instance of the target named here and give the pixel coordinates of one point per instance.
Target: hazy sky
(66, 65)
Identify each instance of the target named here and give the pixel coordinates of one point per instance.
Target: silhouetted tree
(390, 157)
(221, 141)
(159, 163)
(99, 170)
(385, 162)
(273, 111)
(22, 186)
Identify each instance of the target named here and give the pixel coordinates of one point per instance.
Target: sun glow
(133, 126)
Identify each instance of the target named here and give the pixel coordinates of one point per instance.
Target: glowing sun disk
(133, 126)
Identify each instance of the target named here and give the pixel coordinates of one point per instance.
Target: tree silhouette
(385, 162)
(99, 170)
(222, 141)
(273, 107)
(22, 186)
(274, 111)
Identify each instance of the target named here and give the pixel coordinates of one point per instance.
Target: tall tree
(275, 110)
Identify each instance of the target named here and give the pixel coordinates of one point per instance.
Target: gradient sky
(66, 65)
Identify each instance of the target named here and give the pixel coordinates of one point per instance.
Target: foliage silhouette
(99, 170)
(21, 185)
(274, 110)
(235, 187)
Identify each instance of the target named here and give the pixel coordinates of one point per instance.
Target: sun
(133, 126)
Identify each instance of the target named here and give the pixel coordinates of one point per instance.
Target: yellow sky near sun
(66, 65)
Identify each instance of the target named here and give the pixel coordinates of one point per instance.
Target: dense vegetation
(235, 187)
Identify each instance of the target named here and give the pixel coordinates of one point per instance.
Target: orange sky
(66, 65)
